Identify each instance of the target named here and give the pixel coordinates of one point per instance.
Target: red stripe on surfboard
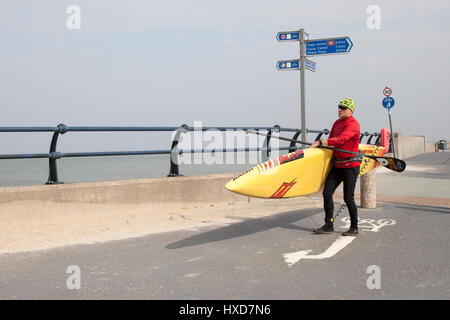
(283, 189)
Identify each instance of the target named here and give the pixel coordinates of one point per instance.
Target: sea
(28, 172)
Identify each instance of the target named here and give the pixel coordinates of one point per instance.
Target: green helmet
(349, 103)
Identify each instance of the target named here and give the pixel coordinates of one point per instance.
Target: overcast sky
(165, 63)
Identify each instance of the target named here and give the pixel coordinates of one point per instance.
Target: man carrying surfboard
(344, 135)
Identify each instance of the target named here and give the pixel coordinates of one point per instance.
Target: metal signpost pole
(392, 132)
(302, 84)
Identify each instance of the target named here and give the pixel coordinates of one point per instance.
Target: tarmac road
(401, 253)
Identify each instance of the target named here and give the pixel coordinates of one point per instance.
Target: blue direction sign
(328, 46)
(288, 65)
(295, 65)
(388, 102)
(310, 65)
(288, 36)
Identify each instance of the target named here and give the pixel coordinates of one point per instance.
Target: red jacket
(345, 135)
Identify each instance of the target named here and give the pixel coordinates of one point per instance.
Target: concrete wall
(202, 188)
(410, 146)
(430, 147)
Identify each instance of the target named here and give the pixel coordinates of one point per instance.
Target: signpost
(314, 47)
(389, 103)
(302, 84)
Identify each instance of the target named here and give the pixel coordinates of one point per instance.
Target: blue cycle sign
(288, 36)
(288, 64)
(388, 102)
(295, 65)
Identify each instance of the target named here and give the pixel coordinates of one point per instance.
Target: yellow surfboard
(295, 174)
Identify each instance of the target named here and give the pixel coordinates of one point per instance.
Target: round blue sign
(388, 102)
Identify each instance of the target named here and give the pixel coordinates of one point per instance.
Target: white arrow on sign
(294, 257)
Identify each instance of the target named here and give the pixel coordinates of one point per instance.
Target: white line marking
(338, 245)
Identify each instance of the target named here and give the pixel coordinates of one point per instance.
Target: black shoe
(326, 228)
(351, 232)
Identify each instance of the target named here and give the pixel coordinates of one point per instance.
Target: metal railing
(60, 129)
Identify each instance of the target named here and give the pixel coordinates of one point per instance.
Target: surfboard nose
(230, 185)
(241, 181)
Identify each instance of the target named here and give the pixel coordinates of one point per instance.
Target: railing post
(53, 155)
(174, 169)
(325, 131)
(371, 137)
(378, 141)
(265, 156)
(362, 136)
(292, 144)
